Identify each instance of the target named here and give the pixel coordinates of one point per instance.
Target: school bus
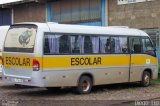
(56, 55)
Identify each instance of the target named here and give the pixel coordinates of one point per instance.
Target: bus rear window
(20, 38)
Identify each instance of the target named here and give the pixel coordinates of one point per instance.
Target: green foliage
(157, 81)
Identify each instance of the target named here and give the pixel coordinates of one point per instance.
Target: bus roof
(81, 29)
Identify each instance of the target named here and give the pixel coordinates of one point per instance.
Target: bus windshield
(20, 38)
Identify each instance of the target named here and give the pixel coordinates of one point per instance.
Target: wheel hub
(146, 79)
(85, 85)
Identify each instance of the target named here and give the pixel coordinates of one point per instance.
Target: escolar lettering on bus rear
(16, 61)
(85, 61)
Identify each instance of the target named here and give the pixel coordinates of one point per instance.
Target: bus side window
(46, 45)
(95, 44)
(136, 45)
(148, 47)
(112, 44)
(87, 44)
(56, 44)
(76, 41)
(104, 44)
(64, 44)
(51, 44)
(123, 44)
(119, 45)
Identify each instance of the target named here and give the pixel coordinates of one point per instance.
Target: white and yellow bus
(57, 55)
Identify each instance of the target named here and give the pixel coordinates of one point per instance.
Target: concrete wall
(138, 15)
(35, 12)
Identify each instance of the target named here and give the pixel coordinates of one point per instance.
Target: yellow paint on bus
(77, 61)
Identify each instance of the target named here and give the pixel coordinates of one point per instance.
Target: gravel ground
(109, 95)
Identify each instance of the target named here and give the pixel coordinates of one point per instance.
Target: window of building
(76, 11)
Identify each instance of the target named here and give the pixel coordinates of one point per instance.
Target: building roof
(13, 2)
(9, 1)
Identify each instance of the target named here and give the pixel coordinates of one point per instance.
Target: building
(90, 12)
(141, 14)
(23, 10)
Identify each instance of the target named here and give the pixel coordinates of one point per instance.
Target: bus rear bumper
(38, 81)
(22, 81)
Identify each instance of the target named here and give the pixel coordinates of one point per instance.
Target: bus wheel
(84, 85)
(146, 79)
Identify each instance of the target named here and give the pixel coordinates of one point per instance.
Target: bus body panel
(139, 63)
(107, 70)
(18, 69)
(70, 77)
(18, 66)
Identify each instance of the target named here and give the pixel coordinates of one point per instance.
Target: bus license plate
(17, 80)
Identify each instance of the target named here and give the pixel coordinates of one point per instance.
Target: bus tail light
(36, 65)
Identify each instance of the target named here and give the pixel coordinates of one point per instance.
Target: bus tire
(146, 77)
(84, 85)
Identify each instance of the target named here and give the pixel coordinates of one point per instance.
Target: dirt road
(109, 95)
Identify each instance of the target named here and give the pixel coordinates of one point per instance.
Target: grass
(157, 81)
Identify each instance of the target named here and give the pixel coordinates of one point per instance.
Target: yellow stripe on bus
(142, 59)
(80, 61)
(77, 61)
